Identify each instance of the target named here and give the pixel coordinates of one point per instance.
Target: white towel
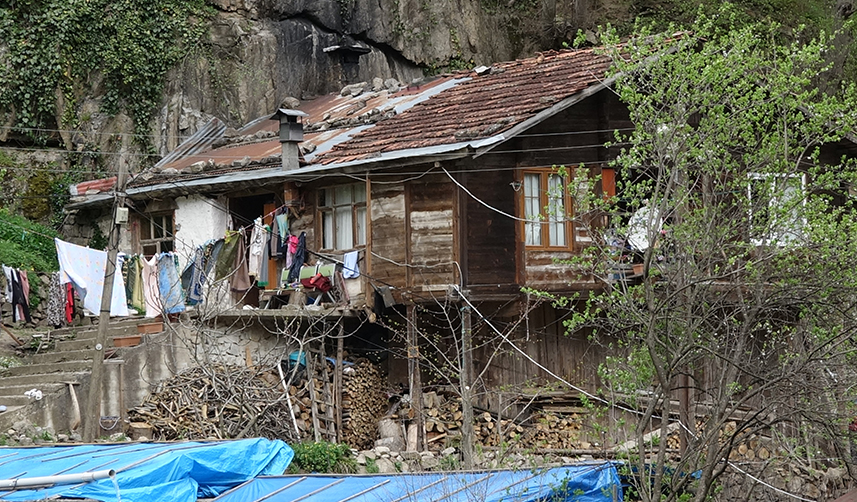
(349, 267)
(84, 267)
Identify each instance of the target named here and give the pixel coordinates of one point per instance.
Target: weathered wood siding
(572, 357)
(389, 253)
(431, 217)
(489, 237)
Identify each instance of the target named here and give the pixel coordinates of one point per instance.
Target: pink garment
(150, 287)
(25, 285)
(291, 249)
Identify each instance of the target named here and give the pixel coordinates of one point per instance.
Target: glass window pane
(157, 227)
(324, 198)
(344, 235)
(168, 225)
(166, 246)
(150, 250)
(145, 229)
(342, 195)
(359, 193)
(360, 215)
(532, 209)
(327, 230)
(556, 210)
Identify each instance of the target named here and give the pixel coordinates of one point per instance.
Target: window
(156, 233)
(776, 201)
(343, 216)
(547, 207)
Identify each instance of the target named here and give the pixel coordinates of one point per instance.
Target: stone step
(60, 356)
(43, 379)
(14, 395)
(75, 345)
(92, 333)
(39, 369)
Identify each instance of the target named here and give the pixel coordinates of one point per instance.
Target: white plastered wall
(198, 219)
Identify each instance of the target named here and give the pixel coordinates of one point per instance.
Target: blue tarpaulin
(145, 472)
(586, 482)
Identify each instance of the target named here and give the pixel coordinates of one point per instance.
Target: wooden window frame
(153, 221)
(544, 199)
(327, 205)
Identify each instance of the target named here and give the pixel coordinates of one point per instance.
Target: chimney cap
(287, 112)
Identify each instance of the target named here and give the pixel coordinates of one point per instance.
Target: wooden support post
(337, 379)
(414, 379)
(92, 417)
(466, 385)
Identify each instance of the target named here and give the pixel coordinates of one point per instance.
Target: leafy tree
(741, 213)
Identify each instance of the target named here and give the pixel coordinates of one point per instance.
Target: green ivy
(126, 46)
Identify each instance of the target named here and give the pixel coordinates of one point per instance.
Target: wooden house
(449, 190)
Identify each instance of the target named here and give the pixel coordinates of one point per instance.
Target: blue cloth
(585, 482)
(169, 283)
(179, 472)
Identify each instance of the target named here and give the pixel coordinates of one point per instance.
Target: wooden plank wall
(388, 234)
(431, 211)
(573, 357)
(489, 237)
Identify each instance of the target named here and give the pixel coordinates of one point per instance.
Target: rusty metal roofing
(479, 106)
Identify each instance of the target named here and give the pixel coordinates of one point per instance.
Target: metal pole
(61, 479)
(92, 417)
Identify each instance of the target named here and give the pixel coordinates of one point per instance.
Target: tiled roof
(480, 106)
(453, 109)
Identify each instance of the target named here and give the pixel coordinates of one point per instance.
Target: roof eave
(546, 114)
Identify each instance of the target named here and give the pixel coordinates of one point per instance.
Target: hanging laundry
(240, 279)
(20, 292)
(69, 302)
(55, 314)
(299, 259)
(226, 259)
(349, 266)
(134, 288)
(291, 249)
(7, 289)
(193, 275)
(257, 242)
(274, 247)
(151, 293)
(84, 267)
(169, 284)
(262, 278)
(282, 220)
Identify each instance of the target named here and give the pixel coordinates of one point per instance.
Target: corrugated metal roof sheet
(587, 482)
(199, 141)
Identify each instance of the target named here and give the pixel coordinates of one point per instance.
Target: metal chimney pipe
(291, 133)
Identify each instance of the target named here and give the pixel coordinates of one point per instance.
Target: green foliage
(372, 466)
(323, 457)
(27, 245)
(7, 362)
(732, 180)
(57, 46)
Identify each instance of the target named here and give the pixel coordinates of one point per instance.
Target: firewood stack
(363, 402)
(554, 431)
(217, 402)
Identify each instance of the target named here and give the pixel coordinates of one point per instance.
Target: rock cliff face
(262, 51)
